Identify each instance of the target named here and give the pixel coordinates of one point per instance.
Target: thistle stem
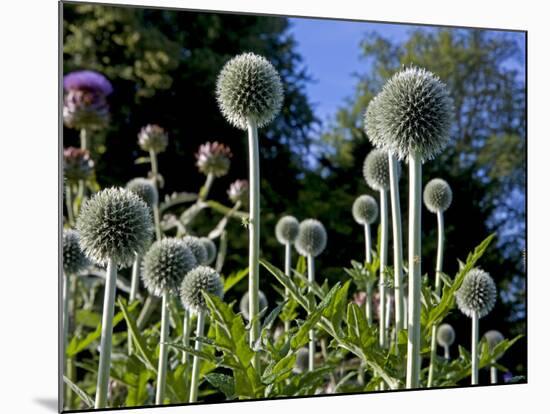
(206, 187)
(84, 146)
(196, 361)
(397, 245)
(185, 335)
(494, 374)
(413, 333)
(71, 315)
(254, 236)
(383, 262)
(156, 217)
(69, 202)
(311, 280)
(368, 289)
(163, 354)
(106, 335)
(154, 167)
(220, 260)
(475, 357)
(438, 270)
(288, 263)
(134, 287)
(66, 364)
(447, 353)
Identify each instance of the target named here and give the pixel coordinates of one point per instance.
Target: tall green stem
(288, 264)
(134, 287)
(205, 190)
(494, 374)
(196, 361)
(475, 356)
(84, 146)
(413, 333)
(71, 316)
(447, 354)
(438, 270)
(397, 245)
(163, 354)
(156, 217)
(106, 335)
(222, 250)
(69, 202)
(154, 167)
(383, 262)
(186, 334)
(68, 393)
(368, 288)
(311, 280)
(254, 236)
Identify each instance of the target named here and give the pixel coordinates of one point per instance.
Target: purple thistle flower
(238, 192)
(77, 164)
(213, 158)
(87, 80)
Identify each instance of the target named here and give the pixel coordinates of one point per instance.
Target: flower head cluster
(477, 294)
(365, 209)
(201, 278)
(77, 165)
(153, 138)
(85, 103)
(287, 229)
(445, 335)
(197, 247)
(312, 238)
(145, 189)
(376, 170)
(238, 192)
(437, 195)
(210, 248)
(213, 158)
(114, 224)
(74, 260)
(249, 87)
(245, 303)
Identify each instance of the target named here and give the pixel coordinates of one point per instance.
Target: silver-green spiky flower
(74, 260)
(197, 248)
(413, 113)
(201, 278)
(477, 293)
(210, 248)
(445, 335)
(249, 86)
(376, 170)
(287, 229)
(371, 125)
(114, 224)
(244, 303)
(165, 265)
(145, 189)
(312, 238)
(437, 195)
(365, 209)
(493, 338)
(153, 138)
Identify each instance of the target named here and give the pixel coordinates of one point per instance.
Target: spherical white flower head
(370, 120)
(210, 248)
(477, 293)
(312, 238)
(201, 278)
(197, 248)
(145, 189)
(286, 229)
(244, 303)
(493, 338)
(74, 260)
(437, 195)
(413, 113)
(114, 224)
(165, 265)
(302, 361)
(249, 86)
(376, 170)
(445, 335)
(365, 209)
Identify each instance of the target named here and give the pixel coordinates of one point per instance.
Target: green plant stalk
(156, 217)
(196, 361)
(288, 265)
(413, 333)
(69, 202)
(134, 287)
(71, 316)
(368, 289)
(311, 280)
(397, 245)
(438, 270)
(205, 190)
(106, 335)
(163, 354)
(222, 250)
(84, 146)
(68, 391)
(383, 262)
(475, 356)
(254, 237)
(447, 352)
(154, 167)
(185, 334)
(494, 374)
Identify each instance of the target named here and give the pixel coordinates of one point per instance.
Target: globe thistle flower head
(145, 189)
(437, 195)
(244, 303)
(213, 158)
(87, 80)
(210, 248)
(493, 338)
(302, 360)
(365, 209)
(371, 124)
(249, 86)
(477, 294)
(74, 260)
(445, 335)
(312, 238)
(197, 248)
(201, 278)
(376, 170)
(239, 192)
(77, 165)
(287, 229)
(153, 138)
(413, 113)
(114, 224)
(165, 265)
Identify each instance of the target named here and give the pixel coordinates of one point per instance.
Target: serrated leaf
(222, 382)
(234, 278)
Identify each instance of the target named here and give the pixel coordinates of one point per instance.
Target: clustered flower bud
(437, 195)
(445, 335)
(493, 338)
(210, 248)
(77, 165)
(376, 170)
(197, 247)
(239, 192)
(201, 278)
(213, 158)
(153, 138)
(365, 209)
